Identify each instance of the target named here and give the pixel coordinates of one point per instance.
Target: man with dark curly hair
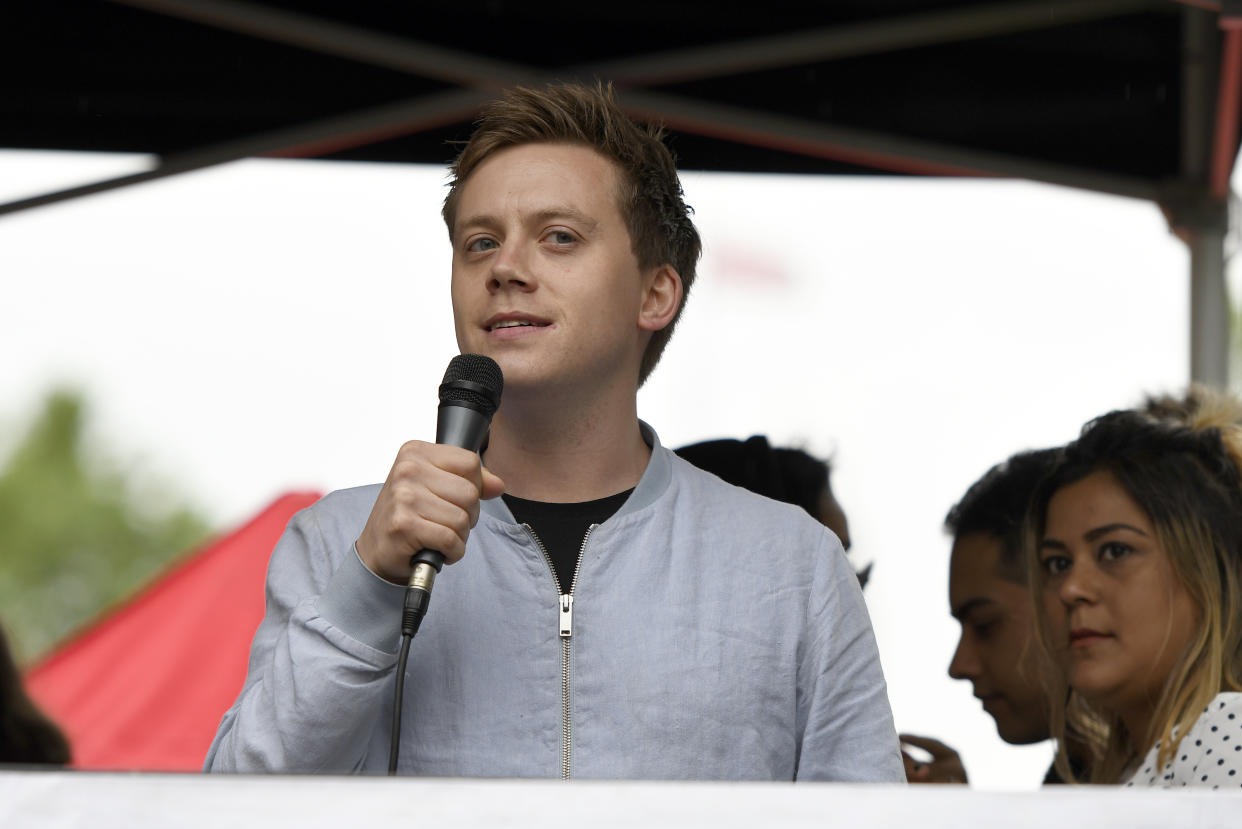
(989, 598)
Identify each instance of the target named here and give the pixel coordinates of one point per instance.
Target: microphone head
(474, 381)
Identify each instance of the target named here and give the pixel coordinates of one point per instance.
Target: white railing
(137, 801)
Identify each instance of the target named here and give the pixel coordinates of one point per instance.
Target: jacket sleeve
(319, 681)
(845, 721)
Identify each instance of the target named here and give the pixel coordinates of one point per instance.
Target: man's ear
(661, 298)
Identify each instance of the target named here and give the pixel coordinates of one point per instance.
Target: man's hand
(945, 765)
(430, 501)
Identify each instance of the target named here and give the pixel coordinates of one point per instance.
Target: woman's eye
(1055, 565)
(483, 243)
(1114, 550)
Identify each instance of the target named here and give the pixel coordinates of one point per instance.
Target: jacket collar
(652, 484)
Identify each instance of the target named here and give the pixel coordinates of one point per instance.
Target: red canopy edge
(145, 686)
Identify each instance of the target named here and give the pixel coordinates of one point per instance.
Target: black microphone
(469, 396)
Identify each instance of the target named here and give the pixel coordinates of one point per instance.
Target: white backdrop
(281, 324)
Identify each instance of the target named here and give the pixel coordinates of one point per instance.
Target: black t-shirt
(561, 528)
(1077, 765)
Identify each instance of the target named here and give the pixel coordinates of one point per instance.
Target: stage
(136, 801)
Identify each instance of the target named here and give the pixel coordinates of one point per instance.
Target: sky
(268, 326)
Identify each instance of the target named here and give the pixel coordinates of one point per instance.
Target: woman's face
(1118, 616)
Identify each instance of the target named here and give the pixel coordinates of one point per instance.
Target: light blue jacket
(714, 634)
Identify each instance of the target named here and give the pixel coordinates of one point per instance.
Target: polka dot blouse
(1211, 754)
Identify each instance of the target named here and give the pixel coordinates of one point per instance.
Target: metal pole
(1202, 223)
(1209, 304)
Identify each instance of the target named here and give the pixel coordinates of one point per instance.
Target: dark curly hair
(997, 503)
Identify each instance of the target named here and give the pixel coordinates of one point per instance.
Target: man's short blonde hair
(650, 197)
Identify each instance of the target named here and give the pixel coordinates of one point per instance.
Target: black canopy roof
(1119, 96)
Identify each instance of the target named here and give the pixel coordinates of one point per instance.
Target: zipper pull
(567, 616)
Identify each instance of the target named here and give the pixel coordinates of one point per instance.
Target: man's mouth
(502, 322)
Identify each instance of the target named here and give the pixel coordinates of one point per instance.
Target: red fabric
(145, 687)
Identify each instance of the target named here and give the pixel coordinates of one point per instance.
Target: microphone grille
(473, 380)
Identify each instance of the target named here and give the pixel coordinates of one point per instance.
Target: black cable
(469, 396)
(394, 750)
(416, 601)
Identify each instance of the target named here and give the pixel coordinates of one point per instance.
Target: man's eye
(561, 237)
(984, 629)
(483, 243)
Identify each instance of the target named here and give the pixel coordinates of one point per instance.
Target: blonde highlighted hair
(1183, 470)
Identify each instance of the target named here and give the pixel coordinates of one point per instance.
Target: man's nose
(965, 661)
(510, 269)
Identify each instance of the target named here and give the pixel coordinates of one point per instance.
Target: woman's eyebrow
(1092, 535)
(1054, 544)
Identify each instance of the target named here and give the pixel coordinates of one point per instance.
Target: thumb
(493, 487)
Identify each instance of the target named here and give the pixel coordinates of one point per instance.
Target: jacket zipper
(565, 623)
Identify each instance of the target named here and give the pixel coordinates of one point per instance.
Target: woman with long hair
(1136, 565)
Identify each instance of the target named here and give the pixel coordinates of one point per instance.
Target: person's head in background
(789, 475)
(1177, 408)
(989, 597)
(27, 737)
(1137, 578)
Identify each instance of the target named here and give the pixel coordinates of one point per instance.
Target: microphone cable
(469, 396)
(417, 598)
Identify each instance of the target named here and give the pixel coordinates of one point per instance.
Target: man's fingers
(916, 772)
(430, 501)
(933, 747)
(451, 506)
(944, 767)
(493, 487)
(417, 457)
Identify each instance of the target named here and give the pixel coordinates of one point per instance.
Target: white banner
(137, 801)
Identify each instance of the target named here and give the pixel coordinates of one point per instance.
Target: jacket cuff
(363, 606)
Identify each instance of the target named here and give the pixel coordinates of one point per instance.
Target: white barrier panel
(137, 801)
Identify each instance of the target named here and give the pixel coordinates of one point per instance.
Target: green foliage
(76, 533)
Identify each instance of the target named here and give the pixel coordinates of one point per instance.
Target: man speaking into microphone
(607, 610)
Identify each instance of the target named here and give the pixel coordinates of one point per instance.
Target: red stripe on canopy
(146, 685)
